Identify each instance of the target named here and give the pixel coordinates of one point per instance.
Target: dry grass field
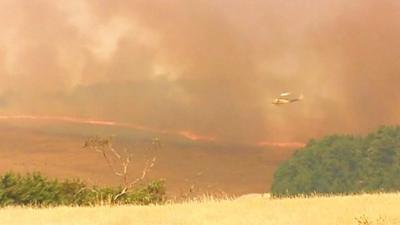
(377, 209)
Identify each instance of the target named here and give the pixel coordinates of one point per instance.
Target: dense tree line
(35, 189)
(343, 164)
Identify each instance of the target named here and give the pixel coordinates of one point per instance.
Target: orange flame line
(195, 137)
(281, 144)
(186, 134)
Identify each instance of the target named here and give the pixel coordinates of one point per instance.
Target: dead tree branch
(114, 159)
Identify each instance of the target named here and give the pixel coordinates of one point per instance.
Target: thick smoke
(209, 67)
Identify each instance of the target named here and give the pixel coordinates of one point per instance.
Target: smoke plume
(210, 68)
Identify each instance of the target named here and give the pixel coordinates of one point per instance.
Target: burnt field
(56, 151)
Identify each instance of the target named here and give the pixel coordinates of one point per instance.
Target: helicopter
(286, 98)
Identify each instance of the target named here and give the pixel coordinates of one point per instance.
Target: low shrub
(34, 189)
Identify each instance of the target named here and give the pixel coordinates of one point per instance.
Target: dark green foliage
(35, 189)
(343, 164)
(153, 192)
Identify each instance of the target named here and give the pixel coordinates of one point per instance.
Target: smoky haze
(208, 67)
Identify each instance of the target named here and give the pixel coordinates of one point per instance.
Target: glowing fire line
(184, 133)
(281, 144)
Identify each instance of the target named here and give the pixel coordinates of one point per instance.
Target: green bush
(37, 190)
(342, 164)
(153, 192)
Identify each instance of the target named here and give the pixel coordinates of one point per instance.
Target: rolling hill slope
(56, 150)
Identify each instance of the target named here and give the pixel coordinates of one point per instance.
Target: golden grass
(376, 209)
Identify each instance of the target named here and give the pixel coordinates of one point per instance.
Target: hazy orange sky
(208, 67)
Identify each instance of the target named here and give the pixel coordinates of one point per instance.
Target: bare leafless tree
(117, 162)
